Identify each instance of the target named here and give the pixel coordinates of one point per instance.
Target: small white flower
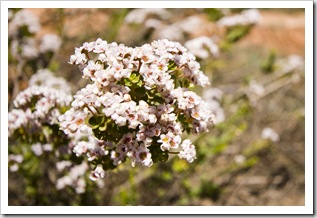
(143, 155)
(97, 173)
(50, 42)
(188, 151)
(78, 58)
(62, 165)
(37, 149)
(247, 17)
(81, 148)
(139, 15)
(269, 133)
(202, 47)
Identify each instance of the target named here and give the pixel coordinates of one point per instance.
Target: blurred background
(255, 61)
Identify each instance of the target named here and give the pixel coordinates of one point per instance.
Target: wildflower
(97, 173)
(135, 103)
(269, 133)
(139, 15)
(74, 178)
(23, 18)
(247, 17)
(202, 47)
(188, 151)
(50, 42)
(143, 156)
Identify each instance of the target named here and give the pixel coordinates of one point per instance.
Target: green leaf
(127, 82)
(140, 83)
(103, 127)
(236, 33)
(95, 121)
(172, 65)
(214, 14)
(140, 92)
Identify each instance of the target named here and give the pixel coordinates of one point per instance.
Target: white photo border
(307, 209)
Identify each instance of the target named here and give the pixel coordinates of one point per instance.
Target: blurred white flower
(171, 32)
(37, 149)
(61, 165)
(239, 159)
(256, 88)
(202, 47)
(292, 63)
(50, 42)
(139, 15)
(74, 178)
(190, 24)
(269, 133)
(213, 97)
(14, 167)
(18, 158)
(153, 23)
(247, 17)
(23, 18)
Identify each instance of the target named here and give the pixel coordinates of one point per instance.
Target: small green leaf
(103, 127)
(172, 65)
(140, 83)
(140, 92)
(95, 121)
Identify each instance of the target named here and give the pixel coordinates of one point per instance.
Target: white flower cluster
(38, 148)
(138, 103)
(23, 18)
(50, 42)
(213, 97)
(141, 14)
(247, 17)
(23, 26)
(291, 63)
(15, 160)
(202, 47)
(75, 178)
(24, 48)
(255, 91)
(39, 103)
(175, 31)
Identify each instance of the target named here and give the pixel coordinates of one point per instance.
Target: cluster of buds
(138, 104)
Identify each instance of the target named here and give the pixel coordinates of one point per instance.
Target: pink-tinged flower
(81, 148)
(71, 121)
(143, 156)
(78, 58)
(169, 141)
(97, 173)
(100, 46)
(117, 157)
(146, 108)
(18, 118)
